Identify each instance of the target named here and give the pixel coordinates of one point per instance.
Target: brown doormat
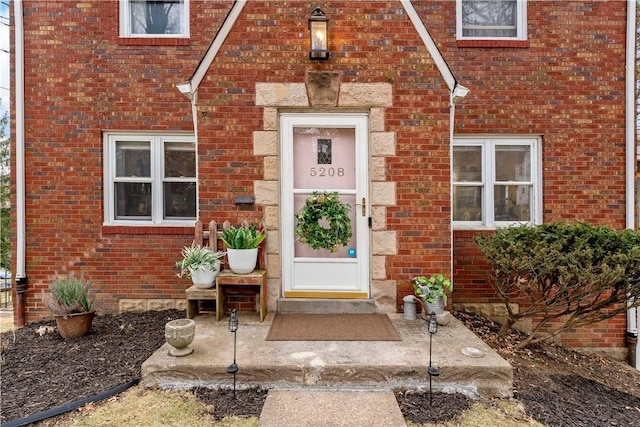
(332, 327)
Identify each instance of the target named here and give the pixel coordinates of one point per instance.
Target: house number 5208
(322, 171)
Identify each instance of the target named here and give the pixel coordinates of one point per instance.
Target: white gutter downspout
(20, 276)
(457, 94)
(186, 89)
(633, 315)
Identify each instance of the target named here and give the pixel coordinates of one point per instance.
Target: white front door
(325, 152)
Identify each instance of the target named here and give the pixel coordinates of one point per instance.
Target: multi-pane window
(492, 19)
(154, 18)
(150, 178)
(496, 181)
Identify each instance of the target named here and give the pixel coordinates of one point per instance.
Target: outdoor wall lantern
(318, 35)
(433, 372)
(233, 368)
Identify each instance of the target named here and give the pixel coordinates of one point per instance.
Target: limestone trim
(325, 91)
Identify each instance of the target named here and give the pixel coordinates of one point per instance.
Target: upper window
(491, 19)
(496, 181)
(150, 179)
(154, 18)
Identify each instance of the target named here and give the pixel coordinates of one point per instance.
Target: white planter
(242, 261)
(205, 278)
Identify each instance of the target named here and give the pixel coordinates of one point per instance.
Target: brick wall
(80, 80)
(567, 85)
(374, 43)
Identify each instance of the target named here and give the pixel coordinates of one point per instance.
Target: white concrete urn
(179, 334)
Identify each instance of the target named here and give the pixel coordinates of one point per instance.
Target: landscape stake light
(233, 368)
(433, 372)
(318, 35)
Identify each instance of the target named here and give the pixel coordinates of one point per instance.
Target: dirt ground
(556, 386)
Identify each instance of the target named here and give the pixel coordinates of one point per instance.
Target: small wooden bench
(256, 279)
(226, 280)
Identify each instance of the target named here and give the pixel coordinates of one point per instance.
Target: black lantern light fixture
(433, 372)
(233, 368)
(319, 36)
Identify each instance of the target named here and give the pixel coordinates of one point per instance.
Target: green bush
(571, 274)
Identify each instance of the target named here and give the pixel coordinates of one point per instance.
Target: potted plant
(72, 303)
(242, 246)
(431, 292)
(201, 264)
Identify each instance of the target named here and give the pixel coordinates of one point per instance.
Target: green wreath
(335, 229)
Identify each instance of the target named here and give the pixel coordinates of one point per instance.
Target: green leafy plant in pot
(201, 264)
(242, 246)
(72, 303)
(431, 291)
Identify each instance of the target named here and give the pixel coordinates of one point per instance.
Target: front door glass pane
(324, 160)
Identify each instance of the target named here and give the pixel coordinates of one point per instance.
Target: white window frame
(521, 23)
(156, 142)
(125, 23)
(488, 146)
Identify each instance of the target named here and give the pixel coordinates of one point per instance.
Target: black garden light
(318, 35)
(433, 372)
(233, 368)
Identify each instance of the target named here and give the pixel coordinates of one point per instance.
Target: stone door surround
(324, 92)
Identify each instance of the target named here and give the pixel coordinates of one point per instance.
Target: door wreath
(324, 222)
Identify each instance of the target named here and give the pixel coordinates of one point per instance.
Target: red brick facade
(565, 84)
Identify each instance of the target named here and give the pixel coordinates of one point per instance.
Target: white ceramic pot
(205, 278)
(242, 261)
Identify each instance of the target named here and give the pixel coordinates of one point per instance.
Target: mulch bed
(557, 387)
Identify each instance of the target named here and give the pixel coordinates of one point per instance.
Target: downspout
(457, 94)
(194, 113)
(633, 315)
(186, 89)
(20, 276)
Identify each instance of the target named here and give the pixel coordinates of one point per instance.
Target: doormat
(332, 327)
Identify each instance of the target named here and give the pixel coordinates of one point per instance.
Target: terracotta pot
(74, 325)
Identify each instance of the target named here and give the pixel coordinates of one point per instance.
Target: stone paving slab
(308, 408)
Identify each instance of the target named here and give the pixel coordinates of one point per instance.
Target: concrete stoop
(466, 363)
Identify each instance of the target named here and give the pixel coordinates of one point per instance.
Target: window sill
(150, 41)
(520, 44)
(147, 230)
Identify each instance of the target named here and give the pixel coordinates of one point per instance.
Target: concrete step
(333, 365)
(324, 306)
(309, 408)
